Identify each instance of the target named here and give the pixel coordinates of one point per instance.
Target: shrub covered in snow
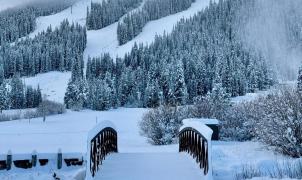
(161, 125)
(236, 124)
(275, 119)
(279, 121)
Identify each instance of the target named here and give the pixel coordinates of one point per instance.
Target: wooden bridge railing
(195, 139)
(100, 145)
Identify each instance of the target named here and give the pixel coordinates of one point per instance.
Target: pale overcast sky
(4, 4)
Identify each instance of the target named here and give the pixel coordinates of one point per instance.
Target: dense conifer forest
(55, 49)
(177, 68)
(19, 22)
(103, 14)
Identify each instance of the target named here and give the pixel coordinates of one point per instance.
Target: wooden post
(34, 159)
(9, 160)
(59, 159)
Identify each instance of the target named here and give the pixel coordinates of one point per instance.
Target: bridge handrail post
(195, 139)
(101, 141)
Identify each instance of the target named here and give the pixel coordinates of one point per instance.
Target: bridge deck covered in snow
(150, 166)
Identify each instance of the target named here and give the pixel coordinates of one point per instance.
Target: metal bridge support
(195, 139)
(102, 141)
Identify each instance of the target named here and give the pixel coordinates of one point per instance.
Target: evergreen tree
(3, 98)
(17, 93)
(299, 87)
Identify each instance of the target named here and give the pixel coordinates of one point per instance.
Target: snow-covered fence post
(195, 139)
(9, 160)
(59, 159)
(101, 141)
(34, 159)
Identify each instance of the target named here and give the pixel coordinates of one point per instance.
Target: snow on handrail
(203, 129)
(195, 139)
(101, 141)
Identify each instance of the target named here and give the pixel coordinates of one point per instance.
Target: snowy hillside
(99, 41)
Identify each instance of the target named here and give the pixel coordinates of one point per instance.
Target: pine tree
(180, 90)
(3, 98)
(1, 74)
(299, 87)
(17, 93)
(70, 98)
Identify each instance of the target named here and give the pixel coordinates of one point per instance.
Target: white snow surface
(150, 166)
(52, 84)
(68, 132)
(204, 120)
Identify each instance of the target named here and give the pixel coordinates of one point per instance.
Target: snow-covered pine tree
(48, 51)
(1, 74)
(180, 89)
(103, 14)
(17, 93)
(299, 84)
(3, 98)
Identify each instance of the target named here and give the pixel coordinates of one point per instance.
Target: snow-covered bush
(47, 108)
(278, 121)
(161, 125)
(236, 124)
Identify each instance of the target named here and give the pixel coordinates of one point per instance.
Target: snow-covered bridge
(103, 161)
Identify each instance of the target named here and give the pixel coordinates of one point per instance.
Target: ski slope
(53, 84)
(105, 40)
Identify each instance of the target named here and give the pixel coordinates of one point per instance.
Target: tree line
(103, 14)
(53, 49)
(14, 94)
(133, 23)
(177, 68)
(19, 22)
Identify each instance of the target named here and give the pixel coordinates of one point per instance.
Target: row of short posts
(34, 160)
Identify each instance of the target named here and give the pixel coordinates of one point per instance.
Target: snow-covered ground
(229, 157)
(52, 84)
(69, 133)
